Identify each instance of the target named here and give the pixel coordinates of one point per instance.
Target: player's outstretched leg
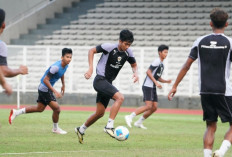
(79, 135)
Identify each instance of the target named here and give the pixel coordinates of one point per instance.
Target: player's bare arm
(135, 72)
(89, 73)
(48, 84)
(8, 72)
(180, 76)
(5, 85)
(63, 85)
(149, 74)
(164, 81)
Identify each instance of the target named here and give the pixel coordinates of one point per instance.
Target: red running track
(122, 109)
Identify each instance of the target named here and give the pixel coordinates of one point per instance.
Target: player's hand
(169, 81)
(23, 69)
(8, 89)
(158, 85)
(58, 95)
(135, 77)
(62, 90)
(171, 93)
(88, 74)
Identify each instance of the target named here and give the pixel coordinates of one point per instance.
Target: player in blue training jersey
(213, 52)
(149, 89)
(46, 90)
(112, 60)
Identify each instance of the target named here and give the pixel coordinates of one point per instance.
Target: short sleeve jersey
(156, 68)
(112, 60)
(213, 52)
(55, 72)
(3, 53)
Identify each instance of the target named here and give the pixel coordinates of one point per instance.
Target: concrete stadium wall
(180, 102)
(31, 20)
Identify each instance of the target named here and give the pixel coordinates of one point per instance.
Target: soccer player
(213, 52)
(149, 89)
(46, 90)
(8, 72)
(112, 60)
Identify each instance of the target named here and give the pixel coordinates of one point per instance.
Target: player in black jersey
(214, 53)
(112, 60)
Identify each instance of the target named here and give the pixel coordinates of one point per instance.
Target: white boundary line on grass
(24, 153)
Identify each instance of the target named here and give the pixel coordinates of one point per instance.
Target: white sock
(207, 153)
(20, 111)
(132, 115)
(110, 123)
(141, 119)
(224, 147)
(83, 128)
(55, 125)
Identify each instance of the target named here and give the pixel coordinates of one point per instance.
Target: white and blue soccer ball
(121, 133)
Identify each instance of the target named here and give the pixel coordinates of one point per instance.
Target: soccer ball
(121, 133)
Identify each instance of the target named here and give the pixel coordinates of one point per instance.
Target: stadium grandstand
(36, 34)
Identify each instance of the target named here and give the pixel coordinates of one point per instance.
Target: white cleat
(217, 154)
(12, 115)
(128, 120)
(140, 125)
(59, 131)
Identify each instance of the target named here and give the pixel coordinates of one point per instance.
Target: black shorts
(149, 94)
(216, 105)
(105, 90)
(45, 97)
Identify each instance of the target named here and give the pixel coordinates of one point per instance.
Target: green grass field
(167, 136)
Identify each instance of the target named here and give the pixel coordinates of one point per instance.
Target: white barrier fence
(39, 58)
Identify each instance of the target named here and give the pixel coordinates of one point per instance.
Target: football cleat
(79, 135)
(109, 131)
(59, 131)
(140, 125)
(217, 154)
(128, 120)
(12, 115)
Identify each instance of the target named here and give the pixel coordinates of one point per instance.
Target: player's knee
(57, 109)
(40, 109)
(100, 114)
(120, 98)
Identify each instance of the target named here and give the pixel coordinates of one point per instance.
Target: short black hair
(66, 51)
(218, 17)
(2, 16)
(162, 47)
(126, 35)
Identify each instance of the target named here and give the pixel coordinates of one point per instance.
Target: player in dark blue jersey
(46, 90)
(213, 52)
(149, 89)
(112, 60)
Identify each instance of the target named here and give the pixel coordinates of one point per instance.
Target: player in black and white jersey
(213, 52)
(5, 85)
(8, 72)
(149, 89)
(112, 60)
